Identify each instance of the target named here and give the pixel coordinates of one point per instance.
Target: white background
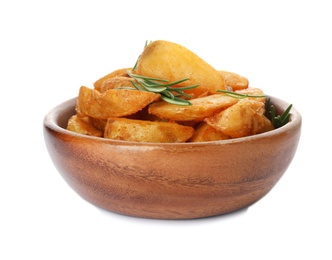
(48, 49)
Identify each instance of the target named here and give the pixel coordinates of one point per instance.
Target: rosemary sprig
(170, 94)
(239, 95)
(277, 120)
(146, 44)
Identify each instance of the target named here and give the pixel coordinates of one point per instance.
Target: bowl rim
(51, 122)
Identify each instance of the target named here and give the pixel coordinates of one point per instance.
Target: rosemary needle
(170, 94)
(239, 95)
(277, 120)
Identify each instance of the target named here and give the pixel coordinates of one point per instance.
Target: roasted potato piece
(116, 82)
(146, 131)
(204, 133)
(233, 80)
(173, 62)
(242, 119)
(254, 92)
(266, 126)
(83, 125)
(113, 102)
(117, 73)
(200, 109)
(98, 123)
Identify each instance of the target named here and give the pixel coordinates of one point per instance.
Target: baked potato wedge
(146, 131)
(200, 109)
(116, 73)
(173, 62)
(234, 80)
(116, 82)
(83, 125)
(204, 133)
(242, 119)
(253, 92)
(113, 102)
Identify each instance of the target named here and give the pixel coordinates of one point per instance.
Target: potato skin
(171, 61)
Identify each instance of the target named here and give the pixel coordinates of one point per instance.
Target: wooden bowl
(170, 180)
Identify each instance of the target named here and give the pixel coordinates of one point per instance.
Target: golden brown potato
(242, 119)
(111, 110)
(113, 102)
(254, 92)
(98, 123)
(116, 73)
(146, 131)
(233, 80)
(204, 133)
(83, 126)
(266, 126)
(116, 82)
(200, 109)
(173, 62)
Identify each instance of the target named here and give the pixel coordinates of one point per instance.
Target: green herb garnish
(271, 114)
(164, 88)
(146, 44)
(239, 95)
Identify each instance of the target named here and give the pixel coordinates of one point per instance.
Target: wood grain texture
(170, 181)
